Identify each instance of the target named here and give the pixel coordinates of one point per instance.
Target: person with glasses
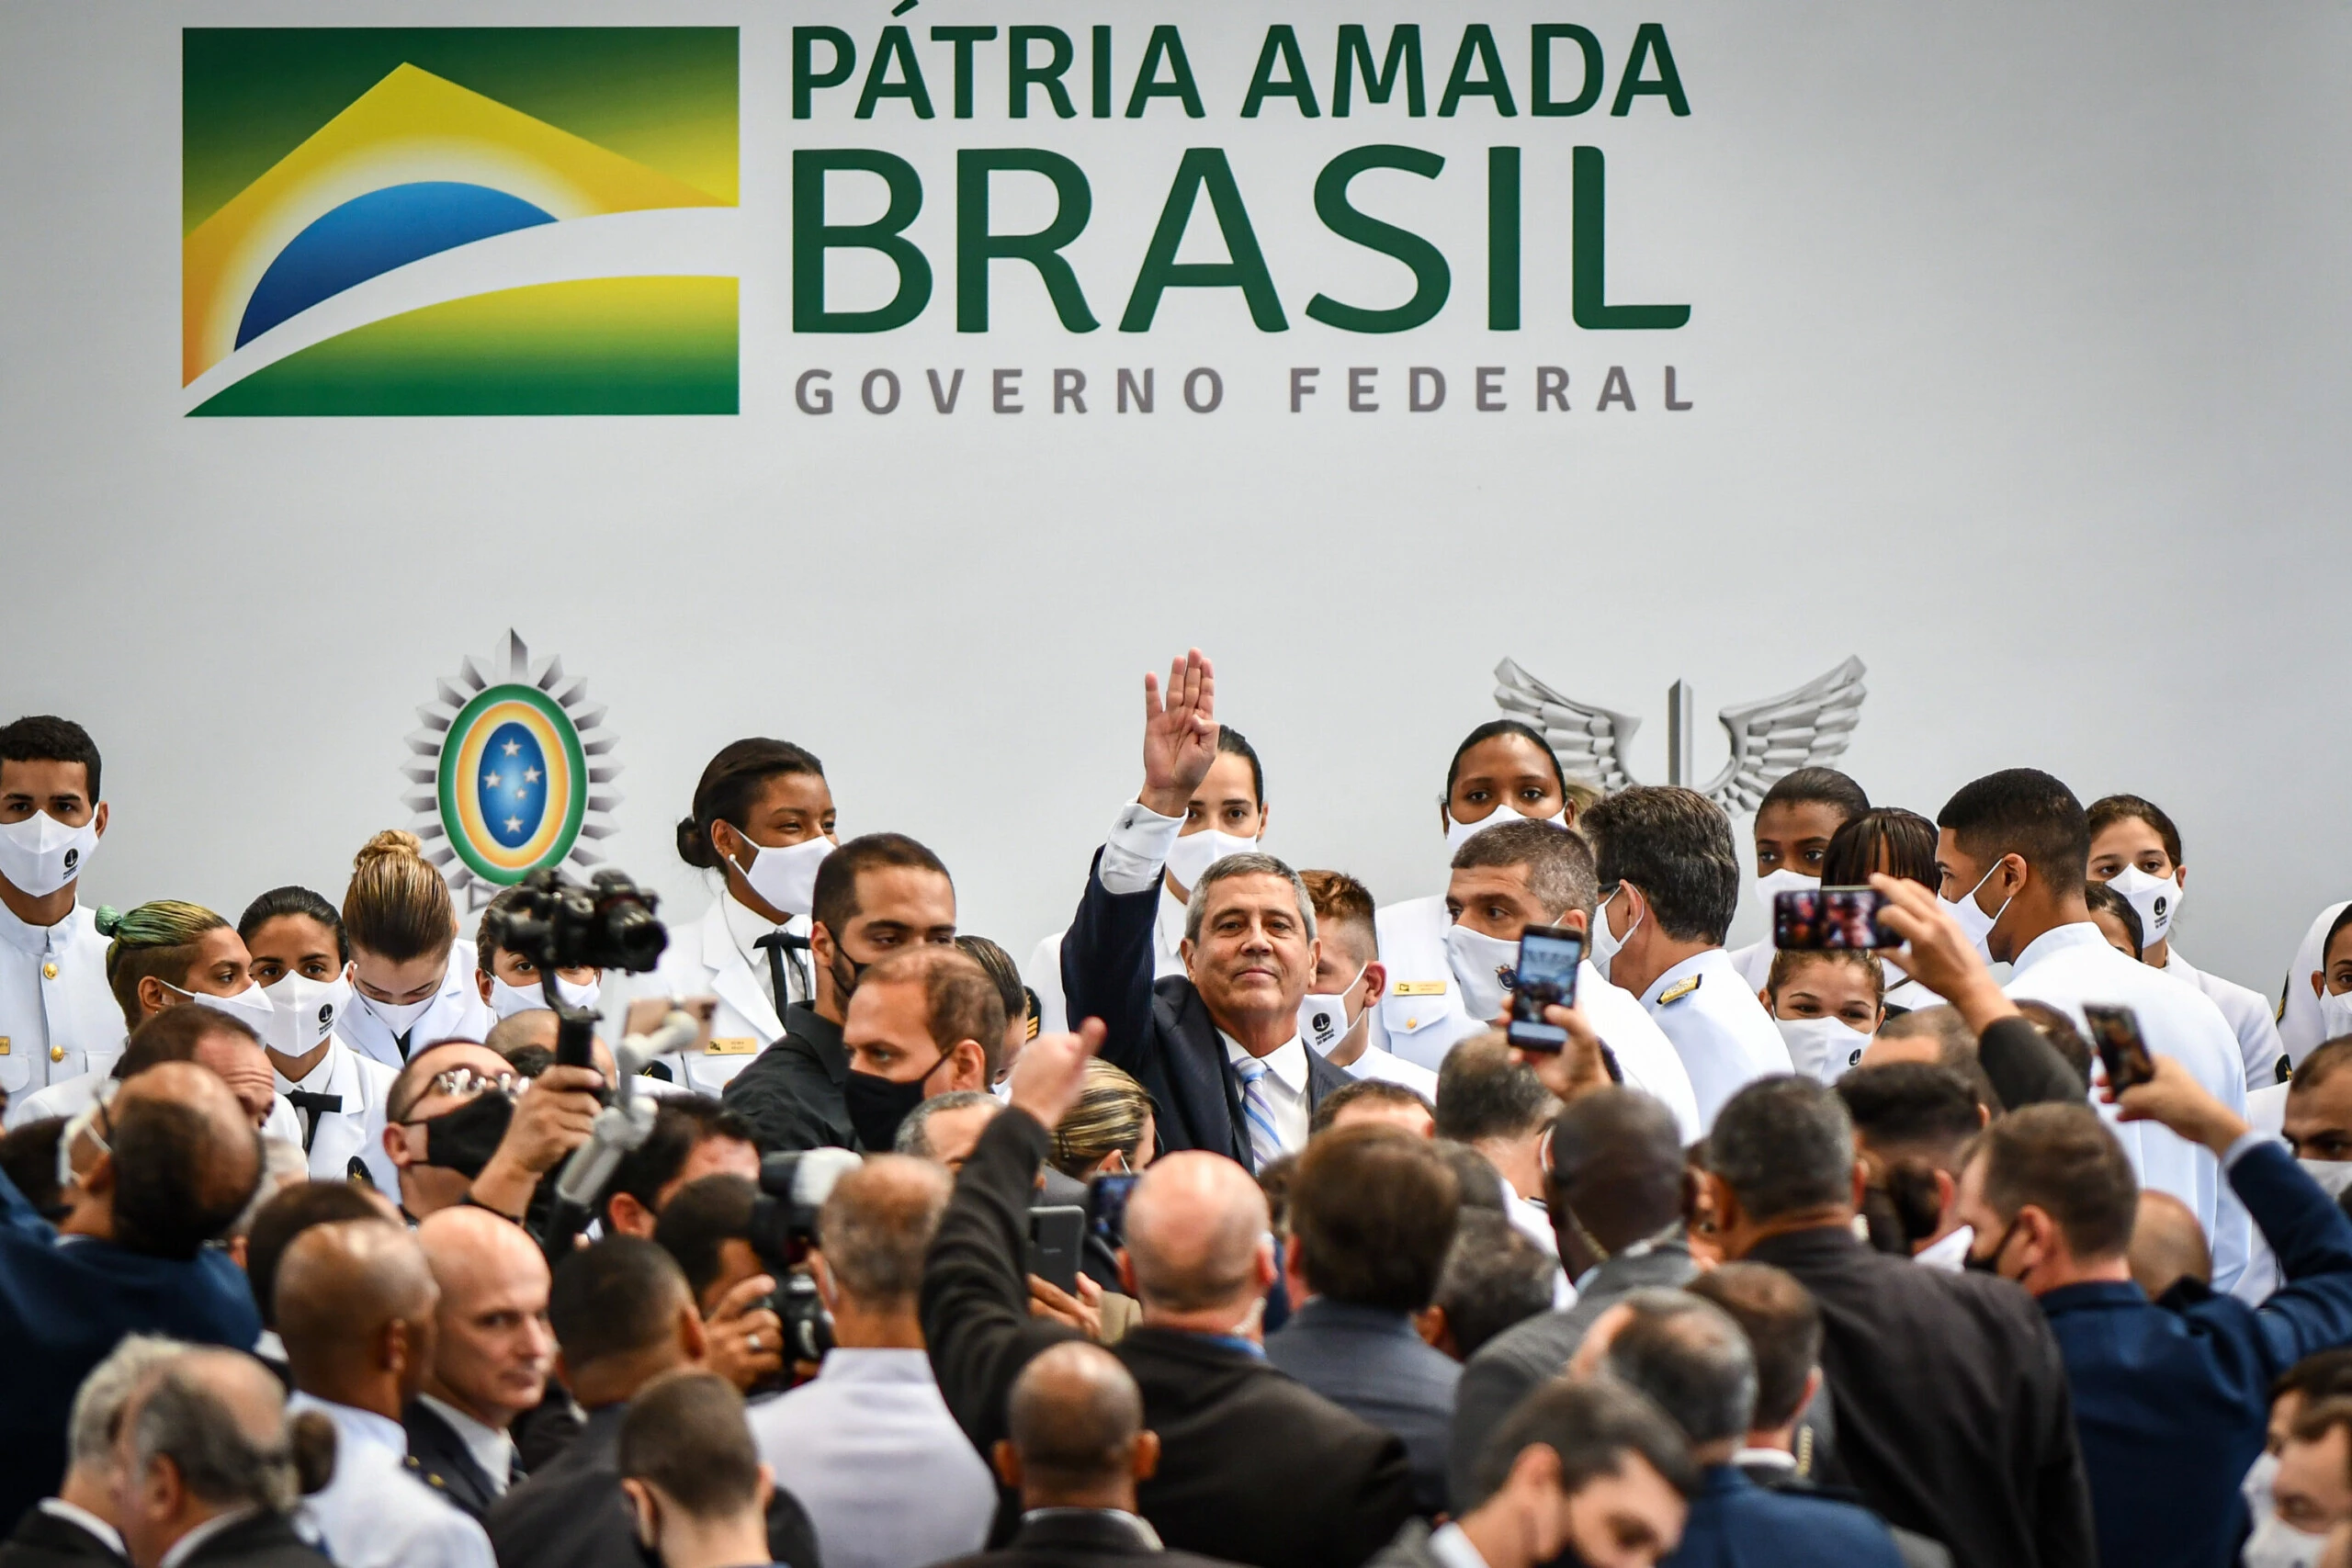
(462, 1127)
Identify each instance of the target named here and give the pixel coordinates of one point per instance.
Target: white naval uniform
(1428, 1019)
(716, 956)
(458, 1013)
(2069, 965)
(2301, 1028)
(2265, 1112)
(2247, 1013)
(1387, 1068)
(1754, 962)
(70, 1097)
(58, 1016)
(374, 1514)
(1722, 1032)
(358, 1129)
(1044, 972)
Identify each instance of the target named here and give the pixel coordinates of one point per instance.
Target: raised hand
(1938, 955)
(1179, 734)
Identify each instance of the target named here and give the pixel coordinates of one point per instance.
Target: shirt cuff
(1137, 848)
(2251, 1138)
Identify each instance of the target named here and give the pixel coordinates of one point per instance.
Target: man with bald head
(207, 1469)
(1616, 1195)
(2168, 1245)
(491, 1349)
(1076, 1447)
(1254, 1468)
(159, 1170)
(355, 1309)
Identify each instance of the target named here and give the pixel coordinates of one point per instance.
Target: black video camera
(558, 924)
(793, 1188)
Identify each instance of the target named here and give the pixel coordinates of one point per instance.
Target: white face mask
(302, 1012)
(2335, 1015)
(2156, 899)
(2255, 1487)
(1822, 1048)
(1460, 833)
(1195, 852)
(1474, 957)
(1604, 944)
(1975, 923)
(1323, 1020)
(784, 875)
(506, 1001)
(2277, 1544)
(2333, 1175)
(402, 1018)
(250, 1005)
(39, 855)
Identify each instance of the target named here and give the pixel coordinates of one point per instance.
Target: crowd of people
(1231, 1228)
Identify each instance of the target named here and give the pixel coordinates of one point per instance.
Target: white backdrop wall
(2015, 354)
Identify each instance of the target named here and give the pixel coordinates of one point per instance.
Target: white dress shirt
(1948, 1253)
(58, 1016)
(1284, 1085)
(491, 1449)
(1452, 1548)
(1388, 1067)
(356, 1130)
(2069, 965)
(1722, 1032)
(869, 1448)
(2247, 1014)
(374, 1514)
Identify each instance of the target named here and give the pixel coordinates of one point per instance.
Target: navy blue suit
(1735, 1523)
(63, 1306)
(2171, 1397)
(1160, 1034)
(1374, 1363)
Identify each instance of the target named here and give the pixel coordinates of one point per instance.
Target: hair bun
(310, 1437)
(694, 845)
(391, 843)
(108, 919)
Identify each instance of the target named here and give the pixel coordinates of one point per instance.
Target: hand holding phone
(1548, 959)
(2114, 1032)
(1056, 1233)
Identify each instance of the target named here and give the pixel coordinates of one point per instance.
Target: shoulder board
(1417, 989)
(1679, 990)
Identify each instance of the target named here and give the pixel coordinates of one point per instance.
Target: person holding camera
(869, 1446)
(457, 1131)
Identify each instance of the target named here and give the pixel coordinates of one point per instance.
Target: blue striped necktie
(1265, 1144)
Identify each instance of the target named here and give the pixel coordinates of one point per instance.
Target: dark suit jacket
(1527, 1355)
(1953, 1416)
(791, 1093)
(1159, 1031)
(44, 1540)
(63, 1308)
(1078, 1537)
(1253, 1467)
(2171, 1397)
(1374, 1363)
(439, 1458)
(1734, 1523)
(1916, 1550)
(572, 1513)
(265, 1540)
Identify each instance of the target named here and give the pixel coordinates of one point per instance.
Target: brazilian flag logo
(459, 220)
(513, 769)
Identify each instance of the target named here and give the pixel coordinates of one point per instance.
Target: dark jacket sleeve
(1490, 1389)
(792, 1535)
(2312, 1310)
(765, 1095)
(18, 1217)
(1107, 969)
(1382, 1506)
(975, 1294)
(2025, 1068)
(2064, 1534)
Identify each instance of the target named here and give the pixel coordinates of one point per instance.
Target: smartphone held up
(1546, 976)
(1830, 920)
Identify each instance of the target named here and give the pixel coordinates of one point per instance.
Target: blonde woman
(411, 975)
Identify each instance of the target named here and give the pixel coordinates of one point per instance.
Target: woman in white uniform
(1502, 770)
(1899, 843)
(509, 983)
(299, 960)
(763, 821)
(412, 975)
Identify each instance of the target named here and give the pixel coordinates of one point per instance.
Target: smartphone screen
(1548, 957)
(1056, 1233)
(1106, 1206)
(1830, 919)
(2115, 1031)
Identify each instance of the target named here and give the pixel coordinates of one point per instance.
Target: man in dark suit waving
(1219, 1046)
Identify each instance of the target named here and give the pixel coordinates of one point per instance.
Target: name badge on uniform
(4, 1044)
(1679, 990)
(733, 1046)
(1417, 989)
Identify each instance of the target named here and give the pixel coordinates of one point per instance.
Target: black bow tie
(311, 1106)
(776, 943)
